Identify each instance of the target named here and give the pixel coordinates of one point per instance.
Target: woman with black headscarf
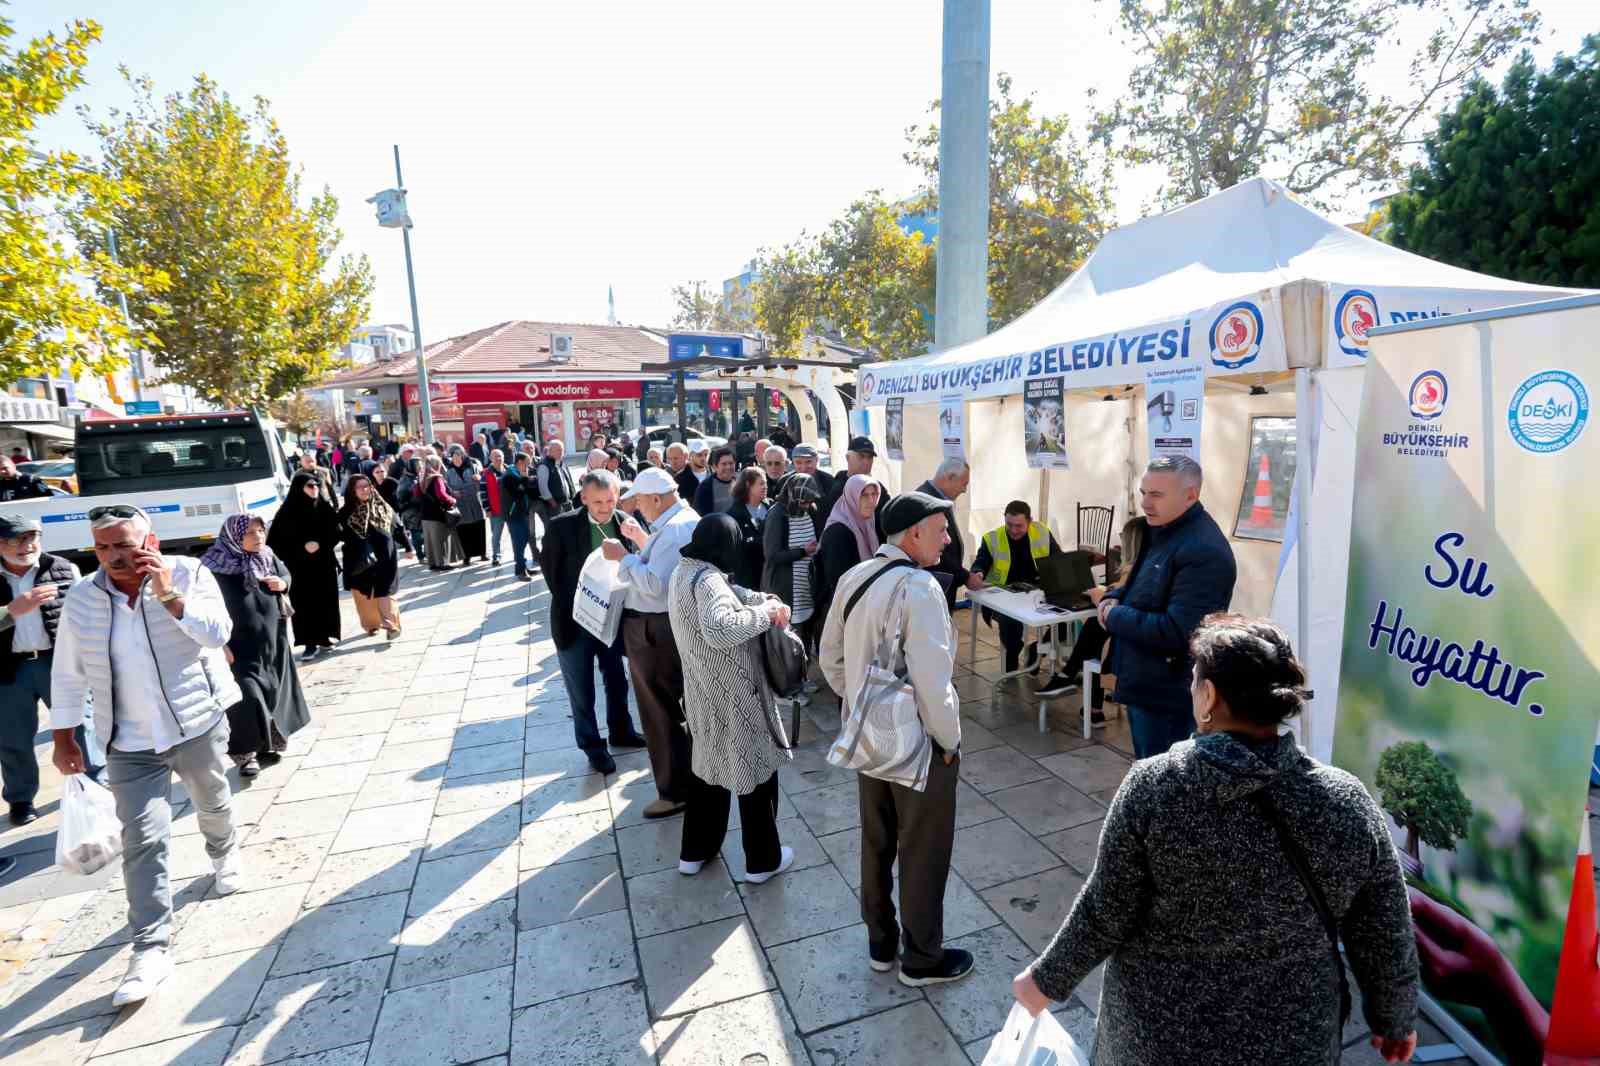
(253, 582)
(790, 535)
(738, 739)
(373, 539)
(304, 535)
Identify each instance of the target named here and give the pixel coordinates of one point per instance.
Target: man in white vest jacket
(142, 640)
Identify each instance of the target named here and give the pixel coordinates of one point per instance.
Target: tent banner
(1354, 309)
(1175, 401)
(951, 431)
(1241, 336)
(1466, 695)
(894, 432)
(1044, 419)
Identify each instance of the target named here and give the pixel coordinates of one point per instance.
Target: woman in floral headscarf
(253, 582)
(373, 542)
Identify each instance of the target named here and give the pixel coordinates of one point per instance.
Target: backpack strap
(1297, 859)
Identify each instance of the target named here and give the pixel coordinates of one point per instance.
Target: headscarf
(847, 512)
(300, 516)
(716, 540)
(597, 459)
(799, 490)
(227, 554)
(361, 518)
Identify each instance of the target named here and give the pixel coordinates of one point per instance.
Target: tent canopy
(1191, 284)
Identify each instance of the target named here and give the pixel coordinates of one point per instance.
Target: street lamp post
(392, 214)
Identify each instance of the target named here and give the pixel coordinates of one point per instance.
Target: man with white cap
(698, 470)
(653, 661)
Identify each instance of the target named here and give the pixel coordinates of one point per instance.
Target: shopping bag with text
(598, 605)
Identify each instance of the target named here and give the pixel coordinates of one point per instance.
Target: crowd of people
(190, 668)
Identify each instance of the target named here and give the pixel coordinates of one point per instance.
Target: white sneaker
(229, 870)
(689, 869)
(148, 969)
(785, 860)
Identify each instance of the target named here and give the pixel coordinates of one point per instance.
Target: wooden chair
(1094, 530)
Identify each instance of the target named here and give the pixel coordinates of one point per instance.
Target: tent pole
(1305, 449)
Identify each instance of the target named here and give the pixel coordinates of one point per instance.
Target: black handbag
(358, 558)
(452, 517)
(1297, 859)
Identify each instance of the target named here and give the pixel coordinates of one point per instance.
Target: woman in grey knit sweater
(1217, 954)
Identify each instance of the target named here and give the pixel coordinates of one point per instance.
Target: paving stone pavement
(433, 876)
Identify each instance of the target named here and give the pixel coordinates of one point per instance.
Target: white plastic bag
(1030, 1041)
(91, 834)
(598, 605)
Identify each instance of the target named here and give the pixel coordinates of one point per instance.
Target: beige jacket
(910, 598)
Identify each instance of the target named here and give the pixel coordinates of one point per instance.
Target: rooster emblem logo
(1428, 393)
(1354, 316)
(1236, 336)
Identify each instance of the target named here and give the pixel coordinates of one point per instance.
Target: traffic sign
(142, 407)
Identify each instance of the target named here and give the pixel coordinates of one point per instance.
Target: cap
(15, 525)
(862, 446)
(909, 508)
(803, 451)
(698, 445)
(651, 481)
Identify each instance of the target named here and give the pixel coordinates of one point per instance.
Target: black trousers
(705, 824)
(920, 828)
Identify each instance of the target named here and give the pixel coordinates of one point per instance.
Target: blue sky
(553, 150)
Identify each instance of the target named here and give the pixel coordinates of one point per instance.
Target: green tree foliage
(49, 323)
(258, 309)
(1511, 183)
(1225, 90)
(869, 282)
(697, 306)
(1421, 793)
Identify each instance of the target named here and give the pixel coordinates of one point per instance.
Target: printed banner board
(1044, 423)
(1175, 402)
(894, 429)
(1352, 310)
(535, 391)
(951, 431)
(1467, 689)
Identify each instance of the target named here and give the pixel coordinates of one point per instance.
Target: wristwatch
(168, 597)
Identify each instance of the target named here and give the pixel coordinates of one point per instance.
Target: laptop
(1066, 578)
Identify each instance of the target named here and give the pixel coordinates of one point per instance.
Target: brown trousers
(380, 612)
(921, 828)
(657, 675)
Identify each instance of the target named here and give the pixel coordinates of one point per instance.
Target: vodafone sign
(545, 391)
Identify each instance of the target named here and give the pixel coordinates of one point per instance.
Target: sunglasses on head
(116, 510)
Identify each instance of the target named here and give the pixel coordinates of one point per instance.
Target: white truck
(187, 472)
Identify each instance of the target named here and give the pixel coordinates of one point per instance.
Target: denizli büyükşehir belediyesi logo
(1356, 313)
(1428, 394)
(1236, 335)
(1548, 411)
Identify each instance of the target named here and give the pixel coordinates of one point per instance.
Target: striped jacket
(197, 683)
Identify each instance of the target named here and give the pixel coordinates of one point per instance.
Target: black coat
(52, 568)
(836, 552)
(753, 552)
(953, 557)
(688, 484)
(561, 557)
(263, 665)
(1184, 572)
(314, 591)
(23, 487)
(777, 575)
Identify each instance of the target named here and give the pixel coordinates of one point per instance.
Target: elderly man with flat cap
(916, 821)
(30, 609)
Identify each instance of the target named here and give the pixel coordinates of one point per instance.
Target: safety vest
(999, 546)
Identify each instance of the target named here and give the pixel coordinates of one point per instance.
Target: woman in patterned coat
(738, 738)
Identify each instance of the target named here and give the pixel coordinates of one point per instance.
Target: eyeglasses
(117, 510)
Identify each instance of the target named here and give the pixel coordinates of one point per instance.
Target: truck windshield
(142, 460)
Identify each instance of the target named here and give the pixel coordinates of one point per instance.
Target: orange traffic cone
(1575, 1011)
(1261, 511)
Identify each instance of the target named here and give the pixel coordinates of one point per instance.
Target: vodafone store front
(568, 411)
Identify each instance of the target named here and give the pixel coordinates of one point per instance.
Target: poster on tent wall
(1175, 401)
(894, 429)
(1466, 695)
(1353, 310)
(1044, 421)
(951, 427)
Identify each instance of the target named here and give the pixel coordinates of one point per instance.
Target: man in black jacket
(554, 488)
(517, 493)
(568, 541)
(948, 482)
(15, 486)
(30, 608)
(1184, 572)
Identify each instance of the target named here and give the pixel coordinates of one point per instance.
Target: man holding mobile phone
(30, 609)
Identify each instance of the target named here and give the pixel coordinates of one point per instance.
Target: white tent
(1260, 291)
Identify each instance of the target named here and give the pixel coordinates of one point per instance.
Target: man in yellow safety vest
(1007, 556)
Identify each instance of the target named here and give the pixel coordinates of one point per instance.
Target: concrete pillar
(961, 304)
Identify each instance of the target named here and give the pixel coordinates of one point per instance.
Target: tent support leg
(1305, 448)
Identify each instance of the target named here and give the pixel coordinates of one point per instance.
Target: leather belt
(629, 612)
(33, 654)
